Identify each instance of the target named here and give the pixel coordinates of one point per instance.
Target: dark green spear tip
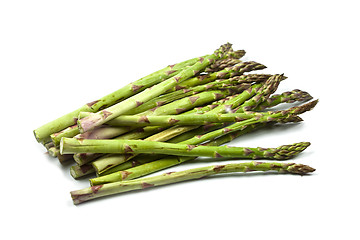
(288, 151)
(223, 49)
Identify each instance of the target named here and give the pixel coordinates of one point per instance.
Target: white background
(57, 55)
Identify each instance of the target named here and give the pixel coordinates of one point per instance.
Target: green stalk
(186, 92)
(71, 145)
(233, 131)
(285, 97)
(186, 119)
(43, 133)
(229, 72)
(77, 171)
(109, 160)
(93, 192)
(140, 133)
(145, 158)
(160, 101)
(104, 164)
(261, 95)
(67, 132)
(177, 107)
(101, 117)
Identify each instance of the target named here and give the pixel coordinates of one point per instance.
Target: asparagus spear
(158, 103)
(85, 168)
(71, 145)
(185, 92)
(221, 64)
(177, 107)
(106, 161)
(145, 158)
(93, 192)
(77, 171)
(186, 119)
(285, 97)
(101, 117)
(262, 94)
(140, 133)
(104, 164)
(236, 70)
(43, 133)
(233, 131)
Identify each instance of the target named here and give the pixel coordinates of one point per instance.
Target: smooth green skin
(145, 158)
(177, 107)
(233, 131)
(108, 177)
(168, 71)
(242, 97)
(155, 103)
(93, 192)
(186, 119)
(108, 161)
(89, 123)
(77, 171)
(67, 132)
(43, 133)
(71, 145)
(182, 93)
(103, 164)
(84, 158)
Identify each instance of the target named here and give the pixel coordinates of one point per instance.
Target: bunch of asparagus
(173, 115)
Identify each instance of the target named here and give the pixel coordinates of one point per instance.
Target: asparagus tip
(288, 151)
(300, 169)
(306, 107)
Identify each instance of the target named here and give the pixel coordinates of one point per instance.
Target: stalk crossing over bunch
(173, 115)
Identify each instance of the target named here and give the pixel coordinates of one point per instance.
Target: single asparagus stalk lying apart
(93, 192)
(71, 145)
